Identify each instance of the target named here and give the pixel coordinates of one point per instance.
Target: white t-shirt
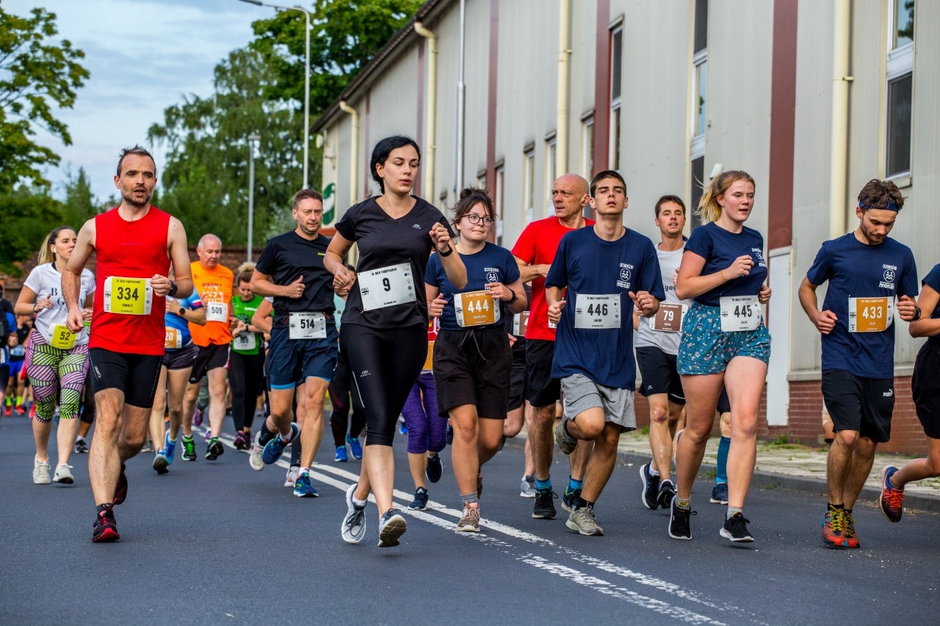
(46, 281)
(668, 342)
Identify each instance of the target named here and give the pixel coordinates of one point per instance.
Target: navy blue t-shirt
(492, 264)
(720, 248)
(856, 270)
(589, 265)
(932, 280)
(288, 256)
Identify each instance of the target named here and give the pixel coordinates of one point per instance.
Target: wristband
(449, 252)
(172, 290)
(513, 298)
(916, 313)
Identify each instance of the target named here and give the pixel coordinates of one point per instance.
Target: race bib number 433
(739, 313)
(127, 296)
(870, 315)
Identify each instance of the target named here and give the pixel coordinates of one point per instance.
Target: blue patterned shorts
(704, 349)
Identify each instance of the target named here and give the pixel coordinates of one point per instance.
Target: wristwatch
(173, 289)
(182, 312)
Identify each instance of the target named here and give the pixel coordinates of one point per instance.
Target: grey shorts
(580, 393)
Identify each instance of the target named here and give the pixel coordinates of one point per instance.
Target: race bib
(216, 312)
(173, 340)
(62, 338)
(739, 313)
(429, 359)
(668, 318)
(870, 315)
(520, 322)
(127, 296)
(596, 312)
(307, 326)
(475, 308)
(246, 341)
(386, 286)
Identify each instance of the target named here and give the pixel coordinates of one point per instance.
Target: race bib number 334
(127, 296)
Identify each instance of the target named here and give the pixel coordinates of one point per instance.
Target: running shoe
(666, 493)
(851, 539)
(402, 428)
(354, 523)
(392, 526)
(275, 447)
(303, 487)
(104, 529)
(81, 446)
(735, 529)
(569, 499)
(242, 440)
(7, 410)
(197, 417)
(420, 501)
(215, 449)
(435, 468)
(290, 479)
(208, 436)
(527, 487)
(21, 409)
(341, 456)
(355, 447)
(470, 521)
(582, 521)
(650, 494)
(680, 521)
(169, 449)
(565, 441)
(41, 472)
(544, 508)
(189, 448)
(120, 490)
(833, 529)
(892, 498)
(719, 494)
(160, 463)
(32, 412)
(148, 446)
(254, 457)
(63, 475)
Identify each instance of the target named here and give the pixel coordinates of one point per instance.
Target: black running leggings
(246, 380)
(339, 398)
(385, 363)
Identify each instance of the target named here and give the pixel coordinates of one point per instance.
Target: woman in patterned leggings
(56, 359)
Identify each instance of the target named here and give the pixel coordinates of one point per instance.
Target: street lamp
(280, 7)
(252, 139)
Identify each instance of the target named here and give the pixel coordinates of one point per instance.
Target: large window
(698, 109)
(695, 191)
(497, 195)
(528, 183)
(616, 91)
(587, 147)
(900, 81)
(551, 171)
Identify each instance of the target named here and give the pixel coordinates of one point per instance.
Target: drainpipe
(838, 169)
(431, 115)
(354, 151)
(561, 121)
(458, 183)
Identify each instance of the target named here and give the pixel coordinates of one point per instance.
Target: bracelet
(35, 309)
(449, 252)
(172, 290)
(513, 298)
(916, 313)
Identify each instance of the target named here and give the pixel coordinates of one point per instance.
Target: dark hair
(607, 174)
(669, 198)
(136, 150)
(469, 198)
(384, 148)
(880, 194)
(306, 194)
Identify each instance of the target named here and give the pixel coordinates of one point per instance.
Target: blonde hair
(46, 255)
(708, 206)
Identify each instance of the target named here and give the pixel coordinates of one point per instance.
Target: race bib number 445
(739, 313)
(127, 296)
(870, 315)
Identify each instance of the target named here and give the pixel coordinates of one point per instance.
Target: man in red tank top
(135, 244)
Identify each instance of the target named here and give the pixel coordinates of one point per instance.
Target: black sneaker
(569, 499)
(420, 501)
(104, 528)
(735, 529)
(679, 521)
(81, 446)
(544, 508)
(215, 449)
(120, 490)
(650, 493)
(435, 468)
(666, 493)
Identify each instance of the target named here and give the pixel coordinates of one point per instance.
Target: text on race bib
(62, 338)
(668, 318)
(475, 308)
(127, 296)
(597, 311)
(173, 340)
(245, 341)
(305, 325)
(739, 313)
(386, 286)
(216, 312)
(870, 315)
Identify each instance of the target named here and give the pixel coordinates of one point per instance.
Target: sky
(143, 56)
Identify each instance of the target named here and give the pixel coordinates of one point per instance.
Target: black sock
(104, 507)
(266, 435)
(581, 503)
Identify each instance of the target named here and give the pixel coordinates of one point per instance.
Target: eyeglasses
(476, 219)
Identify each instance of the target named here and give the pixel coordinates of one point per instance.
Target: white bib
(870, 315)
(739, 313)
(307, 326)
(597, 311)
(127, 296)
(245, 341)
(520, 322)
(386, 286)
(475, 308)
(216, 312)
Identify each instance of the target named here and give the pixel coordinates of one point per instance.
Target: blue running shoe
(303, 488)
(355, 447)
(169, 449)
(341, 456)
(274, 448)
(403, 429)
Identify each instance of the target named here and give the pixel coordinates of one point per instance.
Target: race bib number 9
(307, 326)
(173, 340)
(668, 318)
(739, 313)
(597, 312)
(386, 286)
(127, 296)
(62, 338)
(870, 315)
(475, 308)
(216, 312)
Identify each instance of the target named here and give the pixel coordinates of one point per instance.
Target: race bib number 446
(127, 296)
(739, 313)
(870, 315)
(597, 311)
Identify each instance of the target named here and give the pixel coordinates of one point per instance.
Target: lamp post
(280, 7)
(252, 139)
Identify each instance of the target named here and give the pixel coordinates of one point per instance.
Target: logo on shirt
(759, 255)
(888, 393)
(416, 226)
(492, 274)
(626, 271)
(890, 273)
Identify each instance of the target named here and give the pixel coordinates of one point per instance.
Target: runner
(724, 341)
(213, 282)
(519, 413)
(606, 270)
(472, 358)
(384, 331)
(57, 358)
(135, 244)
(246, 360)
(866, 270)
(16, 350)
(427, 430)
(657, 344)
(720, 489)
(303, 338)
(925, 387)
(534, 252)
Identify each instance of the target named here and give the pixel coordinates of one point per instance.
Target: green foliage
(36, 75)
(28, 216)
(80, 203)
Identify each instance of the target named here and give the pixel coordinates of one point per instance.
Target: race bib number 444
(870, 315)
(739, 313)
(475, 308)
(127, 296)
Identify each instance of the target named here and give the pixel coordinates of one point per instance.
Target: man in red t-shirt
(534, 251)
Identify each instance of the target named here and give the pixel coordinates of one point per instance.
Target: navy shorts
(925, 387)
(659, 374)
(541, 388)
(181, 358)
(292, 361)
(858, 403)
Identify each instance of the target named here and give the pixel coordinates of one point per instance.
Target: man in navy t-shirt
(866, 271)
(607, 270)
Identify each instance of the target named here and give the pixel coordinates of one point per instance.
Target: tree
(28, 216)
(80, 203)
(35, 75)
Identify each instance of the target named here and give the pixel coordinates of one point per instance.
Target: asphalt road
(219, 543)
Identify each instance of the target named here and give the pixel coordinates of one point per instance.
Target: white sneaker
(41, 472)
(63, 474)
(354, 523)
(392, 526)
(254, 457)
(291, 478)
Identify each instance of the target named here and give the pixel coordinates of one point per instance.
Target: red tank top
(129, 250)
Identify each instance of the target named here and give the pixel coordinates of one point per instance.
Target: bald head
(209, 249)
(569, 196)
